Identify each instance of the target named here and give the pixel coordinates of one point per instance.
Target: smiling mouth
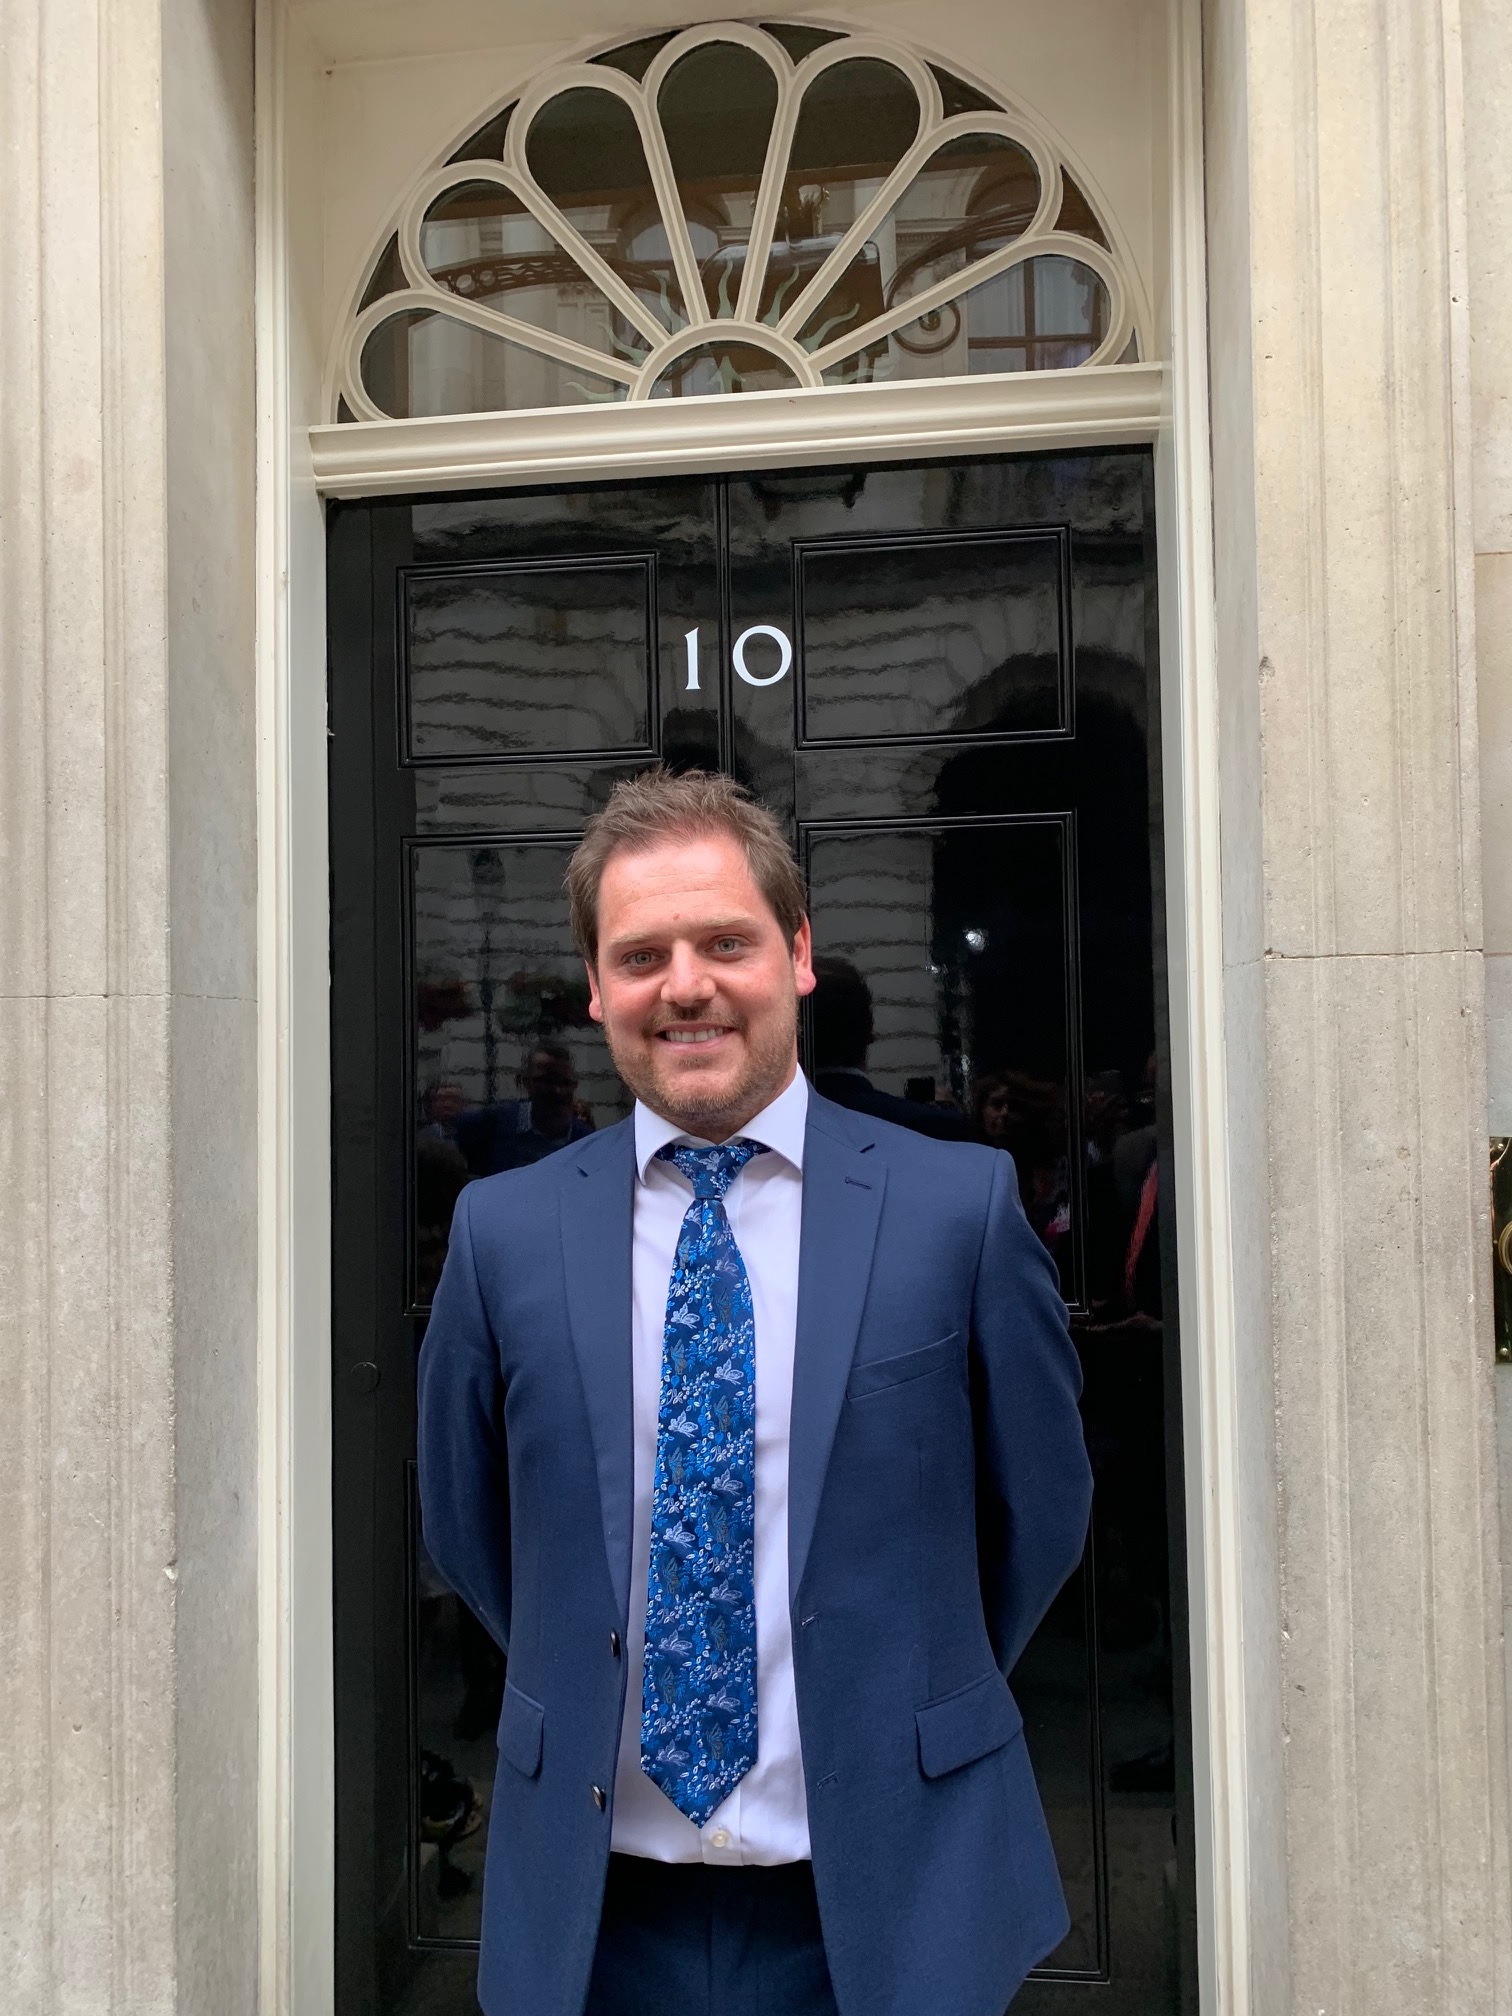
(687, 1036)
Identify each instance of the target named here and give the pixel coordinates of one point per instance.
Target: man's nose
(688, 981)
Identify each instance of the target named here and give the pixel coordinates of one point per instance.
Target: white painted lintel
(1121, 403)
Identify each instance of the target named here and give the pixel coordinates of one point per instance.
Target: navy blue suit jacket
(938, 1498)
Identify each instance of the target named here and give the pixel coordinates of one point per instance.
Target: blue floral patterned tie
(698, 1704)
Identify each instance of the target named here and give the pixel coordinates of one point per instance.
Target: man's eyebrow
(718, 928)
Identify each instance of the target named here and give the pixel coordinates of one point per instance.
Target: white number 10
(738, 656)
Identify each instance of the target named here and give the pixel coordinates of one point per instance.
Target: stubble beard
(713, 1114)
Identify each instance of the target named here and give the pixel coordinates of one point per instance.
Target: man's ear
(595, 1005)
(804, 981)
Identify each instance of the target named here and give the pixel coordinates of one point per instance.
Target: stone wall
(128, 1775)
(1352, 879)
(1488, 177)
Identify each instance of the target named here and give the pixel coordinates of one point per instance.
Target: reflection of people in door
(1027, 1116)
(517, 1132)
(1136, 1176)
(441, 1107)
(843, 1033)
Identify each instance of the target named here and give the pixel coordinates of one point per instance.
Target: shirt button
(719, 1838)
(614, 1644)
(600, 1797)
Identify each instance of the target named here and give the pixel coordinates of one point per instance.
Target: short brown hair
(658, 805)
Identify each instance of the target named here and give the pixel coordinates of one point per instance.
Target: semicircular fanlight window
(742, 210)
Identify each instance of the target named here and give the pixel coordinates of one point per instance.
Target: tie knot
(711, 1171)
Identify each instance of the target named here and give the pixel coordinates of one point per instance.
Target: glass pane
(547, 660)
(481, 243)
(716, 109)
(1077, 214)
(387, 276)
(1049, 314)
(723, 367)
(585, 152)
(635, 58)
(418, 364)
(799, 42)
(974, 194)
(487, 144)
(959, 636)
(1053, 319)
(507, 1066)
(857, 121)
(958, 96)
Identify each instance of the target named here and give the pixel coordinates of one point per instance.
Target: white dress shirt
(765, 1818)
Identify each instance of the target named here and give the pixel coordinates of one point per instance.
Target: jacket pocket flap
(520, 1725)
(966, 1725)
(881, 1373)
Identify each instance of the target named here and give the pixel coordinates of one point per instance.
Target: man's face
(696, 984)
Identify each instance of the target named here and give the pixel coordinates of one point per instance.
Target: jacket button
(614, 1644)
(600, 1797)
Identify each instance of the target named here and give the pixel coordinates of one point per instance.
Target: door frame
(1162, 404)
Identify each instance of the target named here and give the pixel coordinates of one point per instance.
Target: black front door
(944, 678)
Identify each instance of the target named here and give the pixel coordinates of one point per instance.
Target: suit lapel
(597, 1200)
(842, 1203)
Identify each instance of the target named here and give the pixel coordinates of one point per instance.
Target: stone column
(1353, 948)
(127, 1007)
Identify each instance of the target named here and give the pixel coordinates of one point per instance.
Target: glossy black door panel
(543, 658)
(943, 678)
(975, 629)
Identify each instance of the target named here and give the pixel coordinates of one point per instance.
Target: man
(749, 1429)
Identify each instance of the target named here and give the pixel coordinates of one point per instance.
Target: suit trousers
(689, 1939)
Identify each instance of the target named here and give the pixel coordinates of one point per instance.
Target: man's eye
(728, 944)
(640, 959)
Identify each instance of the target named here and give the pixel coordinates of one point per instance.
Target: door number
(738, 656)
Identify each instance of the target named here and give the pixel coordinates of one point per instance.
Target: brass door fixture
(1501, 1243)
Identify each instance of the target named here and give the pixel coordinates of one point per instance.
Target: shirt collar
(780, 1127)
